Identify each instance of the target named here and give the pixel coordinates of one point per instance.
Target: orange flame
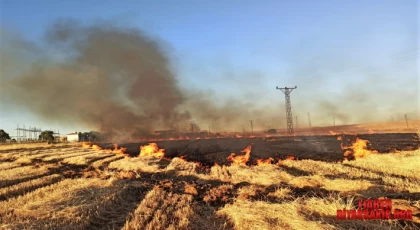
(240, 160)
(268, 161)
(151, 150)
(121, 151)
(85, 145)
(358, 149)
(96, 147)
(290, 158)
(339, 138)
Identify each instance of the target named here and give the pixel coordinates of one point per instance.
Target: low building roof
(75, 133)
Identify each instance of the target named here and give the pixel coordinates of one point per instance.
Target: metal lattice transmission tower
(289, 115)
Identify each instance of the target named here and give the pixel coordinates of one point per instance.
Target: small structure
(272, 131)
(73, 137)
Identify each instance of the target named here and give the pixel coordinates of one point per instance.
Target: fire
(268, 161)
(371, 131)
(85, 145)
(198, 138)
(333, 133)
(251, 137)
(240, 160)
(280, 161)
(238, 136)
(339, 138)
(151, 150)
(96, 147)
(120, 150)
(358, 149)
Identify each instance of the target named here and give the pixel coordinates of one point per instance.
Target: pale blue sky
(327, 48)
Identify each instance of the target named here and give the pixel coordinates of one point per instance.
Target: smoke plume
(121, 81)
(112, 79)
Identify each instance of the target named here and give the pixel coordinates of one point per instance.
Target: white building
(73, 137)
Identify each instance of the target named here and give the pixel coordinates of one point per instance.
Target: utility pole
(406, 119)
(334, 120)
(243, 130)
(297, 124)
(209, 130)
(289, 116)
(309, 120)
(252, 127)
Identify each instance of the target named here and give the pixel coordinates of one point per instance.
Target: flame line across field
(357, 149)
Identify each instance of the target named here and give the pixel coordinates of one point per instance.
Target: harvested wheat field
(91, 187)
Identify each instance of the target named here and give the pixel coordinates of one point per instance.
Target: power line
(252, 127)
(309, 120)
(287, 92)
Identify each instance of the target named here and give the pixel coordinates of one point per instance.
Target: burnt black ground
(325, 148)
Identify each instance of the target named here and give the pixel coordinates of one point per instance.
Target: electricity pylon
(289, 116)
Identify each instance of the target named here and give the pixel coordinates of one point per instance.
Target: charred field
(222, 183)
(322, 147)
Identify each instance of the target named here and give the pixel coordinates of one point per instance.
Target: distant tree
(47, 136)
(4, 136)
(91, 136)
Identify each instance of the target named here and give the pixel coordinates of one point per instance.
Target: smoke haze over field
(113, 79)
(122, 80)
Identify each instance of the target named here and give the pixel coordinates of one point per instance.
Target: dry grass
(151, 193)
(9, 165)
(143, 164)
(263, 215)
(17, 175)
(34, 145)
(182, 167)
(86, 159)
(106, 161)
(262, 175)
(69, 204)
(404, 164)
(21, 188)
(162, 210)
(55, 157)
(371, 168)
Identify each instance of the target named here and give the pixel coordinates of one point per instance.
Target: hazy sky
(332, 50)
